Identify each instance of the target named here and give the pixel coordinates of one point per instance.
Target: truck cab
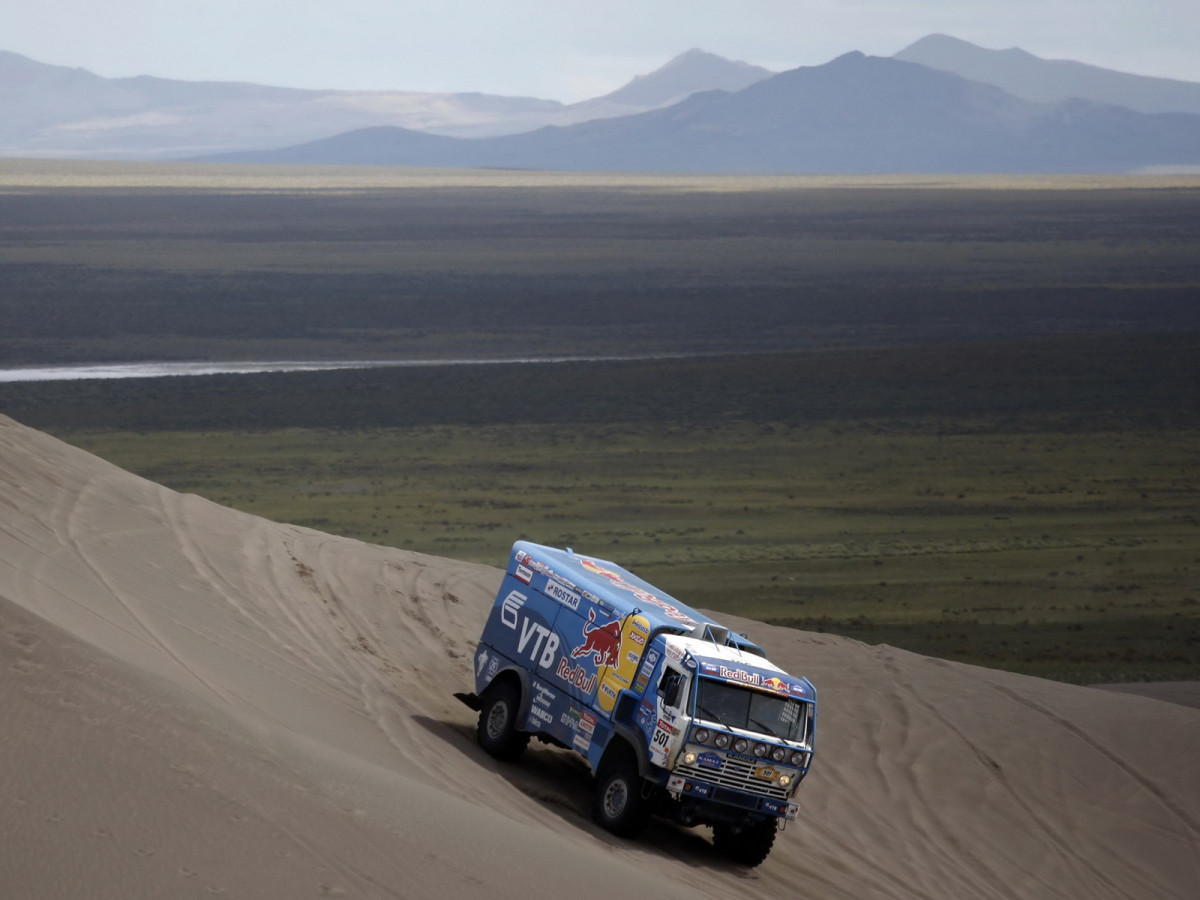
(675, 714)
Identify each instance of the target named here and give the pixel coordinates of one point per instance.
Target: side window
(668, 687)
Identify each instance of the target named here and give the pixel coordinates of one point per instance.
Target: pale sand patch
(26, 174)
(196, 701)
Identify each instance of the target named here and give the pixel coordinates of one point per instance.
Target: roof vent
(718, 634)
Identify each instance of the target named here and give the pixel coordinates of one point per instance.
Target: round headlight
(760, 750)
(798, 758)
(785, 780)
(701, 735)
(721, 741)
(741, 745)
(689, 758)
(779, 754)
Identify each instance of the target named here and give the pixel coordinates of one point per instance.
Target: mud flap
(471, 700)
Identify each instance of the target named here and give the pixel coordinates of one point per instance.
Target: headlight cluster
(718, 739)
(745, 746)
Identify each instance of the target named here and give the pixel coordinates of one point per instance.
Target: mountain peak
(688, 73)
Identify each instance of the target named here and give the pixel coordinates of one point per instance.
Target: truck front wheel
(497, 731)
(618, 805)
(748, 845)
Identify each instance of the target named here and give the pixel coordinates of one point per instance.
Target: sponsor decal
(648, 664)
(750, 679)
(565, 596)
(480, 660)
(608, 692)
(675, 784)
(538, 714)
(524, 559)
(585, 727)
(709, 760)
(544, 696)
(660, 741)
(493, 668)
(510, 608)
(675, 653)
(587, 722)
(539, 642)
(645, 596)
(777, 685)
(645, 715)
(638, 638)
(523, 573)
(600, 641)
(576, 676)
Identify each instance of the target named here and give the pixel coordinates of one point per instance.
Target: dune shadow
(561, 782)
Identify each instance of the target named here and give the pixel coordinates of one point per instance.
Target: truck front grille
(735, 773)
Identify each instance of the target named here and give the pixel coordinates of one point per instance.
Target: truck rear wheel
(617, 804)
(497, 730)
(748, 845)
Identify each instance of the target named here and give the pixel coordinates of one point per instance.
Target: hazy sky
(564, 49)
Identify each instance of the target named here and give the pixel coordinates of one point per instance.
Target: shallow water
(165, 369)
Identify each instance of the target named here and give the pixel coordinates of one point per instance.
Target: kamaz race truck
(675, 714)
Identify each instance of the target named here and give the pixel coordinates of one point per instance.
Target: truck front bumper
(688, 788)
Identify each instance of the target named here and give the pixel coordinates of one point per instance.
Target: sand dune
(196, 702)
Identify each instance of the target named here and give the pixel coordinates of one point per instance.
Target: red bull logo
(601, 641)
(778, 685)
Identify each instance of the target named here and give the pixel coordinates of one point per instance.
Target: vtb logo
(510, 607)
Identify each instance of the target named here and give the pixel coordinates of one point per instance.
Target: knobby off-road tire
(748, 846)
(497, 731)
(617, 804)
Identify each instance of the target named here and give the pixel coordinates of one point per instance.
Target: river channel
(183, 369)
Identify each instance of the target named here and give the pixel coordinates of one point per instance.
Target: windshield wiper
(705, 711)
(765, 727)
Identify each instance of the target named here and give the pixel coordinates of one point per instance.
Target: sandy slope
(196, 702)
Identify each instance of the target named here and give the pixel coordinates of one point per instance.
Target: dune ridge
(196, 701)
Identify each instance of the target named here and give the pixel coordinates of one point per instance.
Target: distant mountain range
(50, 110)
(854, 114)
(940, 105)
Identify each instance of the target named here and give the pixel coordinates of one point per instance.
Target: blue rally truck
(675, 714)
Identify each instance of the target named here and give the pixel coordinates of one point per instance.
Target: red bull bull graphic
(601, 641)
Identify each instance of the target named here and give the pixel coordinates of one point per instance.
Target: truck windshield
(739, 707)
